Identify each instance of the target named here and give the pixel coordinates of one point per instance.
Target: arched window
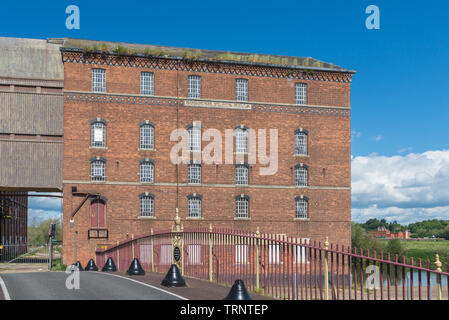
(194, 205)
(242, 206)
(301, 141)
(146, 135)
(301, 175)
(194, 136)
(147, 170)
(97, 169)
(302, 207)
(98, 133)
(146, 204)
(98, 212)
(241, 139)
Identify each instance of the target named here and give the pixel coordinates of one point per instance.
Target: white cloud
(378, 138)
(43, 208)
(407, 188)
(40, 215)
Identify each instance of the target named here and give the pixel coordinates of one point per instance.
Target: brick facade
(272, 197)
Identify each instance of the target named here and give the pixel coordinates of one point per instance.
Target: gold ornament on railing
(176, 226)
(326, 243)
(438, 263)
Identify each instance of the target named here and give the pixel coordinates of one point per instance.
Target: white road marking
(145, 284)
(5, 291)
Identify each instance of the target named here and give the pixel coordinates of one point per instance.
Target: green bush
(38, 231)
(59, 267)
(394, 246)
(361, 239)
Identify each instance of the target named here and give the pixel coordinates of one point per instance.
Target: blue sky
(400, 94)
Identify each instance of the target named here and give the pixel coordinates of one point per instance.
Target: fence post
(177, 241)
(132, 244)
(50, 256)
(257, 260)
(152, 251)
(438, 264)
(118, 256)
(326, 270)
(210, 253)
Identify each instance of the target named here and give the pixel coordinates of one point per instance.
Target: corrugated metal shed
(31, 121)
(31, 113)
(30, 59)
(31, 165)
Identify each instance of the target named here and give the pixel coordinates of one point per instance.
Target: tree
(38, 230)
(394, 246)
(361, 239)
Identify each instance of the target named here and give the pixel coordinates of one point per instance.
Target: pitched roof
(70, 44)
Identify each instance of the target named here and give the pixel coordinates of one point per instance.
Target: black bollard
(78, 266)
(238, 292)
(173, 278)
(109, 266)
(91, 266)
(135, 269)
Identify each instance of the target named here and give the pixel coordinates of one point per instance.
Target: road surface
(92, 286)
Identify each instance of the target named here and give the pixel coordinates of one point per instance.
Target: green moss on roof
(90, 46)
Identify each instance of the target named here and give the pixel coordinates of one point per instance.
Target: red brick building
(384, 233)
(122, 102)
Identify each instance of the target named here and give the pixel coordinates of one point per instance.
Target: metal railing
(284, 267)
(29, 253)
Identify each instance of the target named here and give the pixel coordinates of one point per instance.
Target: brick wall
(272, 209)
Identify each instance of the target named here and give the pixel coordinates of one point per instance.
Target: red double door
(98, 213)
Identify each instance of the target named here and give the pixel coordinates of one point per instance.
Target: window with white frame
(146, 205)
(194, 87)
(241, 139)
(241, 174)
(146, 171)
(146, 83)
(301, 142)
(194, 172)
(98, 80)
(98, 133)
(242, 206)
(302, 211)
(241, 89)
(301, 175)
(194, 205)
(97, 169)
(301, 93)
(194, 137)
(146, 135)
